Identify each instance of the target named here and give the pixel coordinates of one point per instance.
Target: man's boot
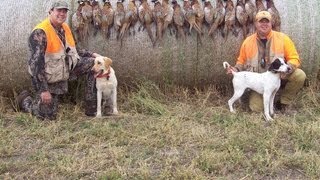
(90, 99)
(23, 102)
(90, 107)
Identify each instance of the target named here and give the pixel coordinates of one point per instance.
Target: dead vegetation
(163, 133)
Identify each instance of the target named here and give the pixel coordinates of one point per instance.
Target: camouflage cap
(263, 15)
(59, 4)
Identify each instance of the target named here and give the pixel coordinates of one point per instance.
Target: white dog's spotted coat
(267, 84)
(106, 83)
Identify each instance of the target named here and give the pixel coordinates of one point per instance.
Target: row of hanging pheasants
(182, 19)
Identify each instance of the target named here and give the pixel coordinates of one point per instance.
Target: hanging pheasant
(230, 19)
(146, 19)
(119, 16)
(97, 15)
(178, 20)
(260, 6)
(251, 11)
(86, 12)
(168, 15)
(209, 12)
(159, 19)
(190, 16)
(78, 23)
(107, 18)
(218, 19)
(198, 10)
(275, 20)
(242, 17)
(130, 19)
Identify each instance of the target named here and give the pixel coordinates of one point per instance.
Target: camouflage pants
(49, 111)
(38, 109)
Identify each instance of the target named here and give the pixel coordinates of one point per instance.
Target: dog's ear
(107, 62)
(275, 65)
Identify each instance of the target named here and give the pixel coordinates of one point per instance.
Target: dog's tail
(230, 70)
(226, 64)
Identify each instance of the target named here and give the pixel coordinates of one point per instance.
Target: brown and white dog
(106, 83)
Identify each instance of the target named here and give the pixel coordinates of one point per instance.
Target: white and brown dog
(106, 83)
(267, 84)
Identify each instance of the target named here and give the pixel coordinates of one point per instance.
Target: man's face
(263, 27)
(58, 16)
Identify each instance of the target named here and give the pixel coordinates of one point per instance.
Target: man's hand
(96, 55)
(46, 97)
(292, 68)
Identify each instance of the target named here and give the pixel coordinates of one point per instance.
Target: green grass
(167, 133)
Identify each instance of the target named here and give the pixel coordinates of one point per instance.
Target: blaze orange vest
(55, 56)
(280, 46)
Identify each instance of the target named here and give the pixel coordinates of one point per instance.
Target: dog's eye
(99, 63)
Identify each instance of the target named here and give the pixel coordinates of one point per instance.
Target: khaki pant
(288, 94)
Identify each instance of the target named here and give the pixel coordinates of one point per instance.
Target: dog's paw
(267, 118)
(115, 112)
(272, 115)
(270, 119)
(98, 115)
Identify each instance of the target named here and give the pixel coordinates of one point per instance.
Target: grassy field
(172, 133)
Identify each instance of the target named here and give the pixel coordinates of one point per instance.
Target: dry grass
(167, 133)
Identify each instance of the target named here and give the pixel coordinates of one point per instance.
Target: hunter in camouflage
(54, 61)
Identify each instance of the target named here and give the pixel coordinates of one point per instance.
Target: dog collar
(106, 75)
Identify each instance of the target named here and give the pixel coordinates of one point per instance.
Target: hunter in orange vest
(54, 60)
(60, 58)
(259, 50)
